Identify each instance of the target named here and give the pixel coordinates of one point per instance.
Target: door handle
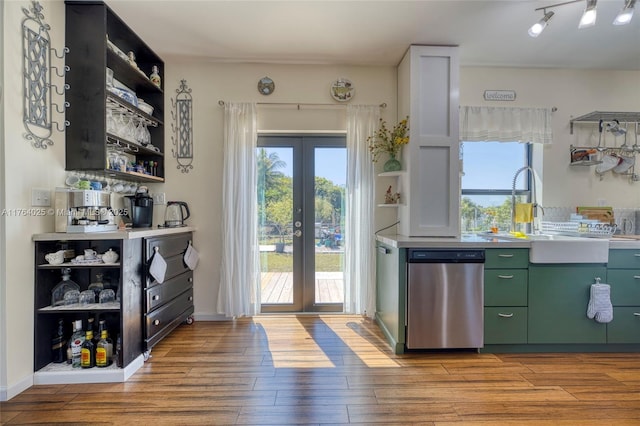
(297, 224)
(297, 233)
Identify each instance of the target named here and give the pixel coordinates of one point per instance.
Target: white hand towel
(599, 306)
(191, 257)
(158, 267)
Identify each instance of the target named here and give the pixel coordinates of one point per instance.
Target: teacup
(110, 256)
(55, 258)
(84, 184)
(89, 254)
(118, 187)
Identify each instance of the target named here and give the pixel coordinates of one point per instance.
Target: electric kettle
(176, 213)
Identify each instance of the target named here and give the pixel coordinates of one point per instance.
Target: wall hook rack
(182, 127)
(38, 105)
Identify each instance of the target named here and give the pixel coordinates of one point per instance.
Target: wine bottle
(58, 344)
(88, 352)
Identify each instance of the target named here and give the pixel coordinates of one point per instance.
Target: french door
(301, 210)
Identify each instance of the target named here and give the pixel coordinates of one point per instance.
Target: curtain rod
(299, 104)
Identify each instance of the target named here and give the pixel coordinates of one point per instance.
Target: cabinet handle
(156, 322)
(637, 277)
(505, 255)
(190, 298)
(505, 315)
(636, 314)
(636, 254)
(156, 297)
(505, 277)
(190, 279)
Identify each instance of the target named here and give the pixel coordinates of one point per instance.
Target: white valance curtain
(505, 124)
(360, 280)
(238, 294)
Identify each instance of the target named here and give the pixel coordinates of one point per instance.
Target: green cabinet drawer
(624, 258)
(506, 258)
(505, 325)
(505, 287)
(625, 286)
(625, 327)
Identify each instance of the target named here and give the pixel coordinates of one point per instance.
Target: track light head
(589, 15)
(625, 15)
(539, 26)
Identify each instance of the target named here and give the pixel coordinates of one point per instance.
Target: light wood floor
(337, 370)
(277, 287)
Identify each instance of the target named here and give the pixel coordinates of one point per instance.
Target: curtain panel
(360, 279)
(238, 294)
(505, 124)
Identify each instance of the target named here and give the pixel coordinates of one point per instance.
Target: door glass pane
(275, 208)
(329, 187)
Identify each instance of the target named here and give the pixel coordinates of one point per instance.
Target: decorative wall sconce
(38, 105)
(588, 18)
(182, 127)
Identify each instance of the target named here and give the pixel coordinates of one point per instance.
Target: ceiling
(489, 33)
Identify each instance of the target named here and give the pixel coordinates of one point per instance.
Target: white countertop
(474, 241)
(126, 234)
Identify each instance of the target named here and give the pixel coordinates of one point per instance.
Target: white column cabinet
(428, 80)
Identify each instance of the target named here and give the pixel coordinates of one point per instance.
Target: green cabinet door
(558, 298)
(505, 325)
(625, 327)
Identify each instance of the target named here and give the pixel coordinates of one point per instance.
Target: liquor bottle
(97, 286)
(103, 349)
(58, 344)
(97, 335)
(118, 354)
(88, 352)
(155, 76)
(76, 344)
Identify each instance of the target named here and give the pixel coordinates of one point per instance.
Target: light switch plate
(40, 197)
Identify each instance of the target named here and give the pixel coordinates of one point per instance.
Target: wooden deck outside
(277, 287)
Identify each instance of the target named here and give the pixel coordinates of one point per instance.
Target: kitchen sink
(549, 248)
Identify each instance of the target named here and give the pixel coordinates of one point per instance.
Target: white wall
(24, 168)
(574, 93)
(211, 82)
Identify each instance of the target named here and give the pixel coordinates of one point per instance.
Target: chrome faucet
(533, 196)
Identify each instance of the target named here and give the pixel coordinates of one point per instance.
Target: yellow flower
(386, 141)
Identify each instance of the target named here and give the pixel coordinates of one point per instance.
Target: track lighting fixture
(589, 15)
(539, 26)
(588, 18)
(625, 15)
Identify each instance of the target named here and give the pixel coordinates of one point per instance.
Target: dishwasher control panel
(445, 256)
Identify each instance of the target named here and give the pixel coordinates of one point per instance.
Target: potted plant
(279, 213)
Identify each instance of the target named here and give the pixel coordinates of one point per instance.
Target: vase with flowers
(385, 141)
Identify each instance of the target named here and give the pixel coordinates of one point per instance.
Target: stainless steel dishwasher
(445, 298)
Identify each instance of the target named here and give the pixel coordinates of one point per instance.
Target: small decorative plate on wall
(266, 86)
(342, 90)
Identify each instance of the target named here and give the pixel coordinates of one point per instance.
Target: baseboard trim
(6, 393)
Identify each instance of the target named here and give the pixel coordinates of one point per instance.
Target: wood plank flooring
(336, 369)
(277, 287)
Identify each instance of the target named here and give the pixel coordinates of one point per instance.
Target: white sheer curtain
(360, 285)
(505, 124)
(238, 294)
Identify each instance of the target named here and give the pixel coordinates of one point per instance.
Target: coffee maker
(79, 210)
(140, 209)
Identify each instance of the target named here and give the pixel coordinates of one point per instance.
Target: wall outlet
(159, 198)
(40, 197)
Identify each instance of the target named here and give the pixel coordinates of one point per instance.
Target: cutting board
(602, 214)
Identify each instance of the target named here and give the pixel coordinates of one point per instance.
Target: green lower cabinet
(505, 325)
(625, 327)
(625, 286)
(558, 298)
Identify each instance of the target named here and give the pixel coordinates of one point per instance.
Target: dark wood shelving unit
(88, 25)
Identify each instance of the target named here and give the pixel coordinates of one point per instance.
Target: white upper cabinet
(428, 81)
